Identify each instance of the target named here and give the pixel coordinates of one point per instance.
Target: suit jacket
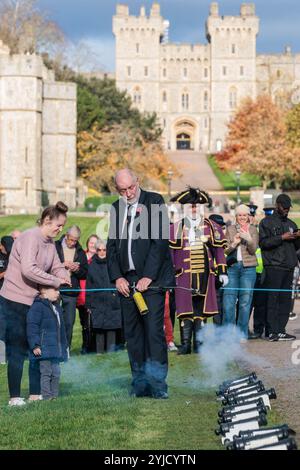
(149, 249)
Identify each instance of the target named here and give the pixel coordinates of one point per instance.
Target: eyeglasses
(101, 249)
(130, 188)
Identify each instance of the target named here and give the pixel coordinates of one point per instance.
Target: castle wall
(196, 88)
(37, 134)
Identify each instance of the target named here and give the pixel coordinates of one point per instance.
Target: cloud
(103, 49)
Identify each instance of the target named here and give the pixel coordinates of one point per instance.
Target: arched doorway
(185, 134)
(183, 141)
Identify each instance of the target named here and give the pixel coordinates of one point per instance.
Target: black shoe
(285, 337)
(143, 394)
(160, 395)
(293, 316)
(273, 337)
(254, 335)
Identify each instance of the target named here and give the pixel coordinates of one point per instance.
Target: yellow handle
(140, 303)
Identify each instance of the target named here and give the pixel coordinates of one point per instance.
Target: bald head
(127, 184)
(125, 174)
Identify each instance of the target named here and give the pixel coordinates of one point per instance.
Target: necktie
(124, 241)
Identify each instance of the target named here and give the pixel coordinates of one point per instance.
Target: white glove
(224, 279)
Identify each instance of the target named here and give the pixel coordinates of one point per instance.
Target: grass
(88, 225)
(228, 179)
(94, 410)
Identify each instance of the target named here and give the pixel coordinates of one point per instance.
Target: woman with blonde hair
(242, 244)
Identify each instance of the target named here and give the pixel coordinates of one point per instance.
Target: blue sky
(91, 21)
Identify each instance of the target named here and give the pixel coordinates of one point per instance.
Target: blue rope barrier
(113, 289)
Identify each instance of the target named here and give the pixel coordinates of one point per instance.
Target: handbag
(231, 258)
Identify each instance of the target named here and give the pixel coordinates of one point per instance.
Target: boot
(187, 332)
(196, 330)
(85, 341)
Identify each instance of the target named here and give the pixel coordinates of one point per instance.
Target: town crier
(197, 247)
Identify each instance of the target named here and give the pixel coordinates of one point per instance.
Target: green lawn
(88, 225)
(228, 179)
(94, 410)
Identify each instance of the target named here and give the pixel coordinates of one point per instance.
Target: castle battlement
(195, 88)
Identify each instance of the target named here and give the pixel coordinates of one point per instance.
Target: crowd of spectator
(69, 278)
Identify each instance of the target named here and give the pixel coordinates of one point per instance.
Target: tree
(293, 126)
(103, 151)
(24, 28)
(257, 143)
(89, 110)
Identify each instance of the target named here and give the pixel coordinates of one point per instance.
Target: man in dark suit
(138, 253)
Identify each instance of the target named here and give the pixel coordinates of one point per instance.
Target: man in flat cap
(197, 247)
(279, 239)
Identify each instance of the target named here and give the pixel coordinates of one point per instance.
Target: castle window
(164, 97)
(146, 71)
(164, 72)
(137, 97)
(241, 70)
(205, 123)
(205, 72)
(129, 71)
(224, 70)
(205, 100)
(232, 98)
(278, 74)
(233, 49)
(137, 46)
(185, 72)
(185, 101)
(165, 123)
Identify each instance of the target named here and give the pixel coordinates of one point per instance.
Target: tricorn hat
(253, 209)
(192, 196)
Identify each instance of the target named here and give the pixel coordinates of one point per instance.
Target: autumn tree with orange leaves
(103, 151)
(257, 143)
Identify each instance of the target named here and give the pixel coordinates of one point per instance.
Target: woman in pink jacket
(33, 262)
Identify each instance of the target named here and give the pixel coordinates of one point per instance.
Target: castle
(194, 89)
(37, 135)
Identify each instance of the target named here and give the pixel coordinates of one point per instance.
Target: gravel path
(273, 363)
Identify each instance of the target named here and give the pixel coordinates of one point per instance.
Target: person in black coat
(47, 339)
(105, 305)
(138, 253)
(279, 240)
(74, 259)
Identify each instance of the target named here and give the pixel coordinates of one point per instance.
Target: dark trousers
(146, 343)
(279, 303)
(88, 335)
(172, 306)
(68, 304)
(260, 311)
(105, 341)
(218, 318)
(17, 348)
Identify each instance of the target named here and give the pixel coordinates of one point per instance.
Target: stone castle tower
(194, 89)
(37, 135)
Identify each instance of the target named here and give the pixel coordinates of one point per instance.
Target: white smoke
(222, 353)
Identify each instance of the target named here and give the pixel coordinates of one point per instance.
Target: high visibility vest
(260, 266)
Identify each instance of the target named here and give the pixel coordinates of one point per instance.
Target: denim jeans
(244, 278)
